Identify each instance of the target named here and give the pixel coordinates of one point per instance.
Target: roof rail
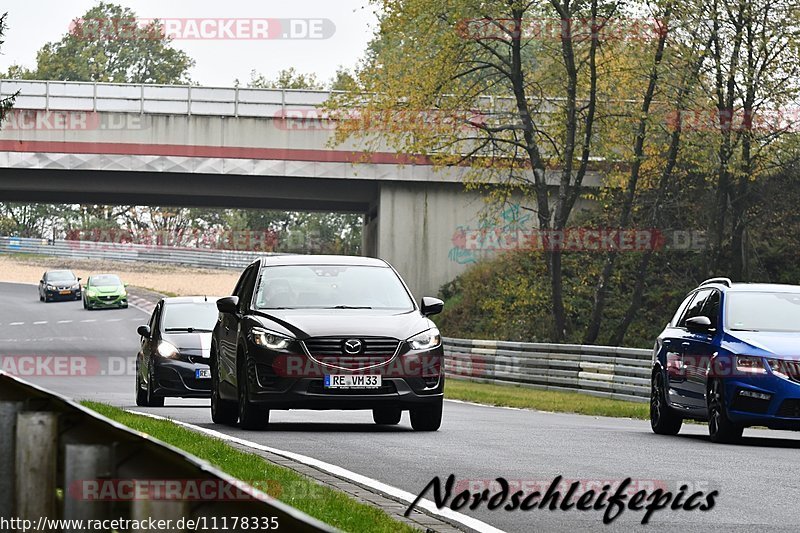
(723, 281)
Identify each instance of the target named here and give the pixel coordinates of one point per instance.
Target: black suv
(325, 332)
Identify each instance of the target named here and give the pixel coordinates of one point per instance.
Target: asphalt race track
(758, 481)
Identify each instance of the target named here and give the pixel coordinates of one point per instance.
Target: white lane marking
(89, 320)
(37, 323)
(113, 320)
(17, 324)
(64, 322)
(428, 505)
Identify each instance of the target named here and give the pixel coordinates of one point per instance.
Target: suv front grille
(331, 351)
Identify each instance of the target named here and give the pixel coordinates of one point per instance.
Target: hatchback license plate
(202, 374)
(64, 292)
(352, 381)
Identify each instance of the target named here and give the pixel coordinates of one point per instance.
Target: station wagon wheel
(663, 420)
(152, 399)
(720, 427)
(141, 394)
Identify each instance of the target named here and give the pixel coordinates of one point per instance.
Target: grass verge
(543, 400)
(330, 506)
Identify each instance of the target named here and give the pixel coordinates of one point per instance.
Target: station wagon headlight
(426, 340)
(269, 339)
(750, 365)
(166, 349)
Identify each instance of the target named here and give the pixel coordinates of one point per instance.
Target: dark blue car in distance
(729, 356)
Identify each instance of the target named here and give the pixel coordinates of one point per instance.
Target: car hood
(306, 323)
(195, 344)
(778, 344)
(110, 289)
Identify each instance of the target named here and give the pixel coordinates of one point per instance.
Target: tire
(427, 418)
(41, 298)
(84, 305)
(153, 400)
(663, 420)
(720, 428)
(387, 416)
(251, 416)
(222, 411)
(141, 394)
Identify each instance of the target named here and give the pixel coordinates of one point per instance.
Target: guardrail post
(143, 510)
(84, 465)
(8, 436)
(37, 449)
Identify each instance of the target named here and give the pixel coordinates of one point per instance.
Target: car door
(672, 351)
(700, 349)
(693, 347)
(228, 331)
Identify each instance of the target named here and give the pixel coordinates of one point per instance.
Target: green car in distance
(103, 291)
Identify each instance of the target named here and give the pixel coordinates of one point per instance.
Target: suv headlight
(269, 339)
(750, 365)
(426, 340)
(166, 349)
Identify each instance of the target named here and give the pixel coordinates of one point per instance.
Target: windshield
(763, 311)
(331, 286)
(184, 316)
(60, 275)
(105, 280)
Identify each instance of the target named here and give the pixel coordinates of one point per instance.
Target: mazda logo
(352, 346)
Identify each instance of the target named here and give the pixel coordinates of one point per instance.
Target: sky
(340, 29)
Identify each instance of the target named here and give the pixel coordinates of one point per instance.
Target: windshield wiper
(188, 330)
(349, 307)
(743, 329)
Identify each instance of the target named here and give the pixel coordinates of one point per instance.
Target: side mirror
(41, 281)
(144, 331)
(80, 279)
(431, 306)
(698, 323)
(229, 304)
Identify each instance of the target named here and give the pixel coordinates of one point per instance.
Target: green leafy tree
(7, 102)
(109, 44)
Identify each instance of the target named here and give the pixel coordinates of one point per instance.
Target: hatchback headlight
(426, 340)
(750, 365)
(166, 349)
(270, 339)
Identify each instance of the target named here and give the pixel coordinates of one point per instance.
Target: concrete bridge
(71, 142)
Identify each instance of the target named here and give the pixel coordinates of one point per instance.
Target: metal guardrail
(605, 371)
(51, 449)
(196, 257)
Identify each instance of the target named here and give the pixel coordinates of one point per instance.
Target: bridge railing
(605, 371)
(197, 100)
(159, 99)
(174, 255)
(59, 460)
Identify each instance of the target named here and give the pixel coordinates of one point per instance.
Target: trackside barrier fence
(196, 257)
(605, 371)
(51, 449)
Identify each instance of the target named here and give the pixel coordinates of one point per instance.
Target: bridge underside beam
(192, 190)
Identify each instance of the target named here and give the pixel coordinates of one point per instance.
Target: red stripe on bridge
(226, 152)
